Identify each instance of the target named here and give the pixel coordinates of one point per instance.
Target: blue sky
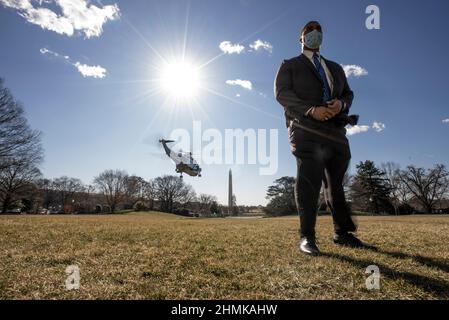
(90, 124)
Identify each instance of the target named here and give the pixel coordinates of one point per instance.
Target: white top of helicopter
(182, 157)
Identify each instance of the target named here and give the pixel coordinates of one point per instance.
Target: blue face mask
(313, 39)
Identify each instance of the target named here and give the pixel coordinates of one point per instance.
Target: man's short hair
(307, 24)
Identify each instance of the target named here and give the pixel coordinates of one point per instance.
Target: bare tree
(393, 174)
(205, 202)
(20, 150)
(16, 137)
(66, 189)
(48, 195)
(112, 184)
(30, 198)
(14, 178)
(89, 189)
(86, 200)
(187, 195)
(427, 186)
(134, 190)
(149, 193)
(171, 190)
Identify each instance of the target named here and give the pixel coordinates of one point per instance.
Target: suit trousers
(321, 160)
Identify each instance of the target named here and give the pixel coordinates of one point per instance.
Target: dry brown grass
(160, 256)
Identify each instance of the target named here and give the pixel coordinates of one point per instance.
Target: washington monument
(230, 193)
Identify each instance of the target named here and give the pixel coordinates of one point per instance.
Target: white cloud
(84, 69)
(378, 126)
(246, 84)
(229, 48)
(261, 45)
(91, 71)
(44, 50)
(446, 120)
(354, 70)
(47, 51)
(77, 15)
(356, 129)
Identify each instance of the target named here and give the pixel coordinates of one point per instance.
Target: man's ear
(300, 39)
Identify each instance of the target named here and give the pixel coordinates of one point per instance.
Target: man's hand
(321, 113)
(325, 113)
(334, 106)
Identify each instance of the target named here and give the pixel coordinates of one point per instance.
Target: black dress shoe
(308, 246)
(350, 240)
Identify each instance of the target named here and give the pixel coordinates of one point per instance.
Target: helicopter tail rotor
(166, 141)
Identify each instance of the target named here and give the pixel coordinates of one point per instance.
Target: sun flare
(181, 80)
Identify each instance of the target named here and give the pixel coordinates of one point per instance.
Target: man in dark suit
(316, 97)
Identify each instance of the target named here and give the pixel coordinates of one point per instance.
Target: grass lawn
(162, 256)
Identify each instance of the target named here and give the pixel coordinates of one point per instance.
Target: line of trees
(111, 191)
(390, 189)
(387, 189)
(24, 189)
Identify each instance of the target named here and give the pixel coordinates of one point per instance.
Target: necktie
(320, 69)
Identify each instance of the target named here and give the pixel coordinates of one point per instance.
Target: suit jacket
(298, 86)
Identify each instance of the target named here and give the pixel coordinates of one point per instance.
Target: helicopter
(183, 160)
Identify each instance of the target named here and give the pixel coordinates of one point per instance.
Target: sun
(180, 80)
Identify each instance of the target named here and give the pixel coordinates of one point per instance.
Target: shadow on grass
(426, 261)
(436, 287)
